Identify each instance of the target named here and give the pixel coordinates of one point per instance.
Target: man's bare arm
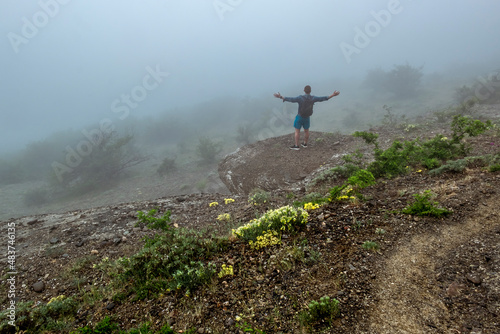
(335, 93)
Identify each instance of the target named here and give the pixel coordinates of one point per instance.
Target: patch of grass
(320, 312)
(456, 166)
(55, 316)
(335, 173)
(246, 328)
(54, 251)
(423, 206)
(314, 198)
(494, 168)
(370, 245)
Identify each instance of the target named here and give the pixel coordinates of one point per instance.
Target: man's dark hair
(307, 89)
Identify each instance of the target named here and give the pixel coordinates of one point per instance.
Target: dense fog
(169, 72)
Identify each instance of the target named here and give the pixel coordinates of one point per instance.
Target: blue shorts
(302, 122)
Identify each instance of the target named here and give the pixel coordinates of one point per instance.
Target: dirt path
(410, 297)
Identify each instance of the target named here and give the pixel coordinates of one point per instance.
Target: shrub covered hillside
(325, 257)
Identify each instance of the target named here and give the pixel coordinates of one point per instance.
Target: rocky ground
(429, 276)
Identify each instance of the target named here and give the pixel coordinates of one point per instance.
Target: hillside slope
(430, 275)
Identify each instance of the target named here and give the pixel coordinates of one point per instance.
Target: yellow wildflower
(214, 204)
(228, 200)
(226, 271)
(224, 217)
(311, 206)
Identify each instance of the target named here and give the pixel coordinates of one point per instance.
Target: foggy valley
(156, 86)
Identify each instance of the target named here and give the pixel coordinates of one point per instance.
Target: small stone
(116, 241)
(475, 279)
(110, 306)
(79, 243)
(38, 286)
(94, 251)
(229, 322)
(54, 241)
(454, 289)
(201, 330)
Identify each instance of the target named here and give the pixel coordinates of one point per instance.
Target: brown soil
(429, 276)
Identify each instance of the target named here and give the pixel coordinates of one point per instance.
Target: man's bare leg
(297, 136)
(306, 136)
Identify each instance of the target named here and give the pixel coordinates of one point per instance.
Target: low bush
(258, 196)
(320, 312)
(350, 189)
(370, 245)
(55, 316)
(38, 196)
(208, 149)
(167, 166)
(174, 259)
(423, 206)
(286, 218)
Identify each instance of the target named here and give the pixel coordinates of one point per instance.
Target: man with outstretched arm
(306, 103)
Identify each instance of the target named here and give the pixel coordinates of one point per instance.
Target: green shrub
(431, 163)
(456, 166)
(169, 259)
(403, 80)
(320, 312)
(189, 276)
(53, 316)
(105, 163)
(334, 173)
(423, 206)
(285, 218)
(162, 223)
(361, 179)
(370, 245)
(462, 126)
(494, 168)
(355, 158)
(258, 196)
(207, 149)
(167, 166)
(38, 196)
(393, 161)
(368, 137)
(244, 134)
(313, 197)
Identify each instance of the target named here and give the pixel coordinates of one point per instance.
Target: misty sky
(67, 63)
